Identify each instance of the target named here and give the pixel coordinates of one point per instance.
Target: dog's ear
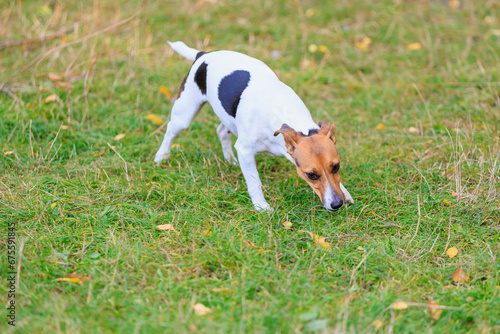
(328, 129)
(291, 137)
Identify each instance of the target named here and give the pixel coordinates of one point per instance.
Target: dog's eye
(312, 176)
(335, 168)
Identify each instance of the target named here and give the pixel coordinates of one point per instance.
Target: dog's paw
(160, 157)
(263, 207)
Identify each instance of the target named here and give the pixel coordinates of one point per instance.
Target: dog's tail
(184, 50)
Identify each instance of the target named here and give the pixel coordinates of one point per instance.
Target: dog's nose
(335, 205)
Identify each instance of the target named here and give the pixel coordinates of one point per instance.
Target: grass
(416, 193)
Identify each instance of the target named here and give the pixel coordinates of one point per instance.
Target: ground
(413, 87)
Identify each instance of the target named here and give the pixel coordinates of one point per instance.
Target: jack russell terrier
(254, 105)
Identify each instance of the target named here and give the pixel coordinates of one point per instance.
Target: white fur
(264, 106)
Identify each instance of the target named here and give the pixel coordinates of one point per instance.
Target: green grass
(67, 190)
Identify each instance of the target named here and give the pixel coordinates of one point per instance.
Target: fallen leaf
(155, 119)
(414, 46)
(66, 85)
(68, 279)
(363, 43)
(54, 77)
(167, 227)
(454, 194)
(287, 225)
(53, 205)
(360, 248)
(318, 240)
(454, 4)
(459, 276)
(377, 323)
(434, 311)
(176, 146)
(164, 90)
(9, 153)
(446, 202)
(200, 309)
(50, 98)
(399, 306)
(380, 126)
(412, 129)
(64, 127)
(323, 48)
(312, 48)
(207, 232)
(81, 278)
(120, 136)
(452, 252)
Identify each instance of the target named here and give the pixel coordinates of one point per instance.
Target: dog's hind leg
(225, 141)
(184, 110)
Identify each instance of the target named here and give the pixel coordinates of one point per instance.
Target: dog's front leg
(249, 169)
(348, 197)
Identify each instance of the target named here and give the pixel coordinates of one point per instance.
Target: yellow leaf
(380, 126)
(459, 276)
(319, 240)
(363, 43)
(50, 98)
(70, 279)
(120, 136)
(452, 252)
(164, 90)
(223, 289)
(53, 205)
(434, 311)
(414, 46)
(200, 309)
(54, 77)
(176, 146)
(360, 248)
(155, 119)
(377, 323)
(399, 306)
(207, 232)
(446, 202)
(167, 227)
(454, 4)
(9, 153)
(64, 127)
(323, 48)
(312, 48)
(64, 39)
(81, 278)
(287, 225)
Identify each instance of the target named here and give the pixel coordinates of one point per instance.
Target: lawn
(414, 88)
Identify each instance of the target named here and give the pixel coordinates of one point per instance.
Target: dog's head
(317, 161)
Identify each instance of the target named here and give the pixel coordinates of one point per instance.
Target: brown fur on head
(317, 161)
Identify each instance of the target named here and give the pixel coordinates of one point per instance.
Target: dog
(264, 114)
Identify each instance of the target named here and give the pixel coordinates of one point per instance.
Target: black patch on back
(200, 78)
(230, 89)
(199, 54)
